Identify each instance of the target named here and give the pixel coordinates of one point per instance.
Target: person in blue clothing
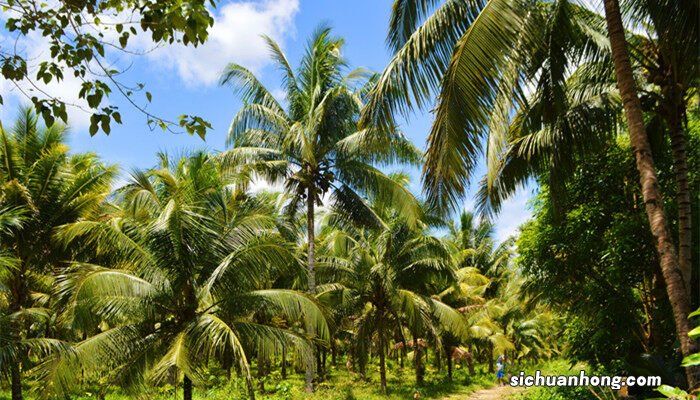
(501, 369)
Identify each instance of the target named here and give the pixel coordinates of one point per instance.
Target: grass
(339, 385)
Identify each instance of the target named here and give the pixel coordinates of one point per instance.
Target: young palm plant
(313, 144)
(179, 270)
(42, 187)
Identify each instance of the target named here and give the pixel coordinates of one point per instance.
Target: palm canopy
(313, 143)
(480, 58)
(178, 271)
(389, 274)
(42, 186)
(546, 137)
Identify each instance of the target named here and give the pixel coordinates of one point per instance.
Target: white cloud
(235, 37)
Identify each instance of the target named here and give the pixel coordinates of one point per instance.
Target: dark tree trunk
(673, 275)
(685, 218)
(418, 360)
(319, 364)
(187, 388)
(261, 373)
(438, 360)
(18, 297)
(382, 363)
(470, 361)
(16, 378)
(334, 353)
(227, 364)
(448, 361)
(284, 362)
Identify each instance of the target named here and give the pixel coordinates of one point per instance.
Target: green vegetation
(81, 37)
(345, 284)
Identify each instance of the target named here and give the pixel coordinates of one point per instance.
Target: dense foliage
(183, 279)
(589, 252)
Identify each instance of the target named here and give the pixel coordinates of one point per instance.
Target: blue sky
(183, 80)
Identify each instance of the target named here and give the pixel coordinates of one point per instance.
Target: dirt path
(494, 393)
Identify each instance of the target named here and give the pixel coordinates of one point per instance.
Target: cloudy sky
(183, 80)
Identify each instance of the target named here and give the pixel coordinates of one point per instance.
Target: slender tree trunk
(261, 374)
(18, 297)
(673, 275)
(311, 235)
(418, 360)
(16, 378)
(448, 361)
(382, 362)
(437, 360)
(334, 353)
(284, 362)
(311, 227)
(685, 232)
(470, 361)
(187, 388)
(319, 364)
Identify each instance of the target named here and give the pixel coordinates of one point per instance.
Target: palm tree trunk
(284, 362)
(18, 296)
(16, 378)
(685, 232)
(675, 286)
(311, 236)
(187, 388)
(311, 226)
(448, 361)
(382, 362)
(470, 361)
(418, 360)
(334, 353)
(319, 363)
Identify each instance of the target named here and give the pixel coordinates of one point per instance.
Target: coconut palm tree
(654, 205)
(42, 187)
(387, 276)
(669, 56)
(313, 144)
(178, 276)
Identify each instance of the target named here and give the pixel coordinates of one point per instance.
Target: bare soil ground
(493, 393)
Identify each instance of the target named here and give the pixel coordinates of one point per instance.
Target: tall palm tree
(478, 56)
(42, 187)
(313, 143)
(670, 56)
(654, 205)
(178, 273)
